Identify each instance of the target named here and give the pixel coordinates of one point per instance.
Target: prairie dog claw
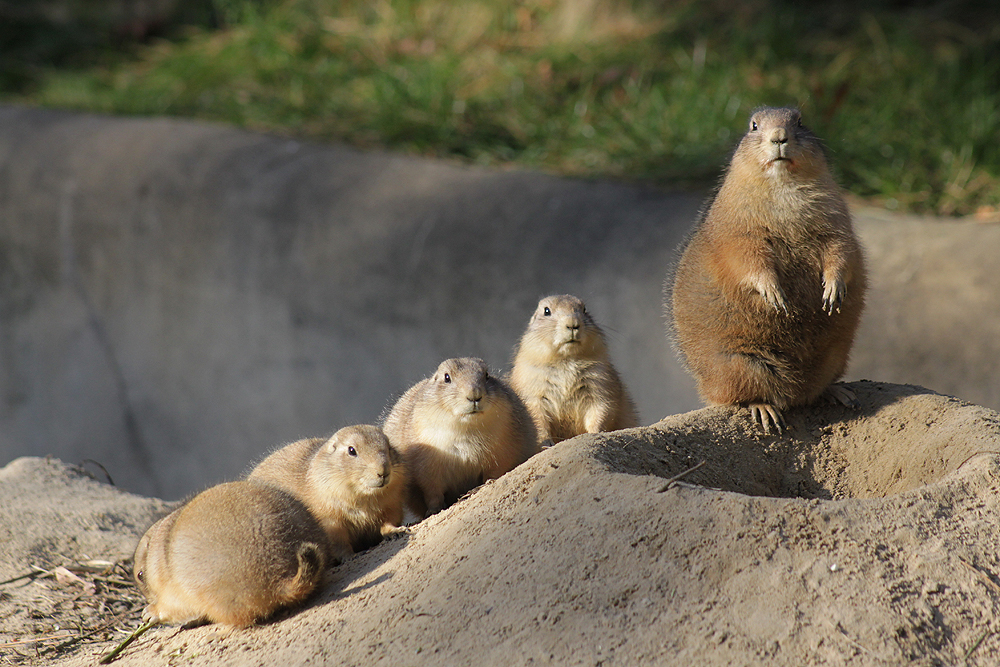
(767, 415)
(833, 295)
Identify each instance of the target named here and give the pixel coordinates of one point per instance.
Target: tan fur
(563, 373)
(457, 429)
(769, 290)
(354, 483)
(233, 554)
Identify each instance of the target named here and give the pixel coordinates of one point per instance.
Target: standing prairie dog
(354, 483)
(233, 554)
(768, 292)
(563, 374)
(457, 429)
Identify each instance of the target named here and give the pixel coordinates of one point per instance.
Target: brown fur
(563, 373)
(457, 429)
(233, 554)
(354, 483)
(769, 290)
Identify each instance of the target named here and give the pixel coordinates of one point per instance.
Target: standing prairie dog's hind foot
(838, 393)
(767, 416)
(389, 531)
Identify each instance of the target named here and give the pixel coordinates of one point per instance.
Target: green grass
(907, 99)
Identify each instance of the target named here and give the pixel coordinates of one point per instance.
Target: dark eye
(140, 576)
(547, 311)
(447, 377)
(799, 122)
(753, 126)
(352, 451)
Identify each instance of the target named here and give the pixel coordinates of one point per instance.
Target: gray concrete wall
(178, 298)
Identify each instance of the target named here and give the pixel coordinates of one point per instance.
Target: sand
(856, 538)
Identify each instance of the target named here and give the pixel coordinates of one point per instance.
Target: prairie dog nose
(779, 135)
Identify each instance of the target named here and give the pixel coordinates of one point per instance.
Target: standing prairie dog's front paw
(834, 291)
(770, 290)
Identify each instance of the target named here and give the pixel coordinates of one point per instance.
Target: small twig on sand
(33, 640)
(30, 575)
(982, 575)
(36, 573)
(138, 632)
(968, 654)
(88, 634)
(673, 480)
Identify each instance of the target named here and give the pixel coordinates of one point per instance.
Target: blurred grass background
(905, 94)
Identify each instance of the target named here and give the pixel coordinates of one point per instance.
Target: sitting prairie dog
(233, 554)
(354, 483)
(457, 429)
(768, 292)
(563, 373)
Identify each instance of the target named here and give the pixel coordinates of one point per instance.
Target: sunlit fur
(357, 497)
(233, 554)
(563, 373)
(768, 293)
(457, 429)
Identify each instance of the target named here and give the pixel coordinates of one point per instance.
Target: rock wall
(178, 298)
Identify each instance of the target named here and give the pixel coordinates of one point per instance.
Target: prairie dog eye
(352, 451)
(140, 576)
(547, 311)
(447, 378)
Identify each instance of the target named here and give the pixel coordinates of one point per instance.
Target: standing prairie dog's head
(359, 457)
(778, 145)
(462, 386)
(561, 327)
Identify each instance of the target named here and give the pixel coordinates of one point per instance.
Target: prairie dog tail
(312, 562)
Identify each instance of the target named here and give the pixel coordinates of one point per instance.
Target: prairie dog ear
(331, 445)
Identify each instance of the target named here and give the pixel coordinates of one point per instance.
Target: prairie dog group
(564, 375)
(457, 429)
(768, 292)
(234, 554)
(353, 482)
(764, 301)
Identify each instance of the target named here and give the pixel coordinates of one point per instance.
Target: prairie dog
(768, 292)
(233, 554)
(563, 373)
(457, 429)
(354, 483)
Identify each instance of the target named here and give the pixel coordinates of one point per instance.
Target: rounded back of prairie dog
(564, 375)
(456, 429)
(233, 554)
(353, 482)
(768, 292)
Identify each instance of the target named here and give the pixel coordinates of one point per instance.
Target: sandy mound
(857, 538)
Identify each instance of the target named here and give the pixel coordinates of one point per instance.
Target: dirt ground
(856, 538)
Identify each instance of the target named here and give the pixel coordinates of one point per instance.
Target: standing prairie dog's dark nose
(779, 135)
